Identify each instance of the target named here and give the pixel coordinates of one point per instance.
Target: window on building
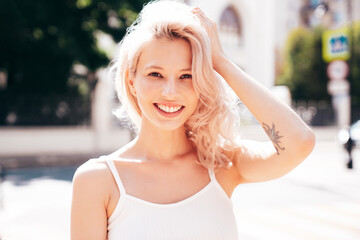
(230, 28)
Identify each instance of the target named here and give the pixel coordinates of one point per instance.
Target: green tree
(355, 65)
(41, 40)
(304, 70)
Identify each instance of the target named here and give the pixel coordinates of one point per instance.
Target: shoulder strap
(115, 173)
(212, 174)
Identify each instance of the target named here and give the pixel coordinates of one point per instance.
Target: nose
(170, 87)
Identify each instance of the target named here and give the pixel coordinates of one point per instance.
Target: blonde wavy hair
(212, 126)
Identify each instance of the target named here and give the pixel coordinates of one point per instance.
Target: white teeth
(168, 109)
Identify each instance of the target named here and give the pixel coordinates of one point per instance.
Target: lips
(169, 110)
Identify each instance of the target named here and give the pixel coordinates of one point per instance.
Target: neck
(160, 145)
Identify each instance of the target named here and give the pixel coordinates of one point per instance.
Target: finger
(195, 10)
(201, 15)
(205, 21)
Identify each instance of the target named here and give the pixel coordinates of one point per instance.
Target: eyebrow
(160, 68)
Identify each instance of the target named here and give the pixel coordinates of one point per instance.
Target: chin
(170, 126)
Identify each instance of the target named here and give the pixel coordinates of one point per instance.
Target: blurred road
(318, 200)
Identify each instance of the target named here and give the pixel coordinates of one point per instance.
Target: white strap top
(208, 214)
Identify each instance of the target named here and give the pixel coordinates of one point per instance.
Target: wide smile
(169, 110)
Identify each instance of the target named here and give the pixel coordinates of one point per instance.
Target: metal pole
(351, 45)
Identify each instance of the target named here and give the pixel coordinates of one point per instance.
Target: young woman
(176, 178)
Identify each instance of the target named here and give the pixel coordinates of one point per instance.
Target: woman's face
(163, 83)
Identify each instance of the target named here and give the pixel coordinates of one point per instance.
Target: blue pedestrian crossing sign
(336, 44)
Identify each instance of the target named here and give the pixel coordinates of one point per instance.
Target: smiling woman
(176, 178)
(177, 41)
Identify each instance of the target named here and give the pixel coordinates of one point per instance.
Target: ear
(131, 84)
(132, 87)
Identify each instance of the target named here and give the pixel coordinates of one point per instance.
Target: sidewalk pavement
(320, 199)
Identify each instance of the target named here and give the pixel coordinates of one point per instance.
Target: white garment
(208, 214)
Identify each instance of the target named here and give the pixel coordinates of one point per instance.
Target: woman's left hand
(217, 52)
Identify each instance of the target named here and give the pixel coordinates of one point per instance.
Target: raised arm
(290, 139)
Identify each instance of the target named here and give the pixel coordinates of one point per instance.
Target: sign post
(336, 50)
(336, 44)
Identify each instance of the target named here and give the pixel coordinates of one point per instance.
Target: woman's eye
(155, 74)
(186, 76)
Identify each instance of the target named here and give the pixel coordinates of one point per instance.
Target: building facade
(247, 38)
(254, 32)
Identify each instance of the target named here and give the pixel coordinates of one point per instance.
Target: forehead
(175, 53)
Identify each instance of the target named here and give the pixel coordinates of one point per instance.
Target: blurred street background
(57, 105)
(319, 200)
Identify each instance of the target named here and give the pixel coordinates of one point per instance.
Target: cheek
(193, 95)
(139, 86)
(145, 90)
(192, 92)
(193, 98)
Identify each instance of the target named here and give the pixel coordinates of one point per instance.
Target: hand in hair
(290, 139)
(211, 28)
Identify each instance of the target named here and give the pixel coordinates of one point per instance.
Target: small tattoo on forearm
(274, 136)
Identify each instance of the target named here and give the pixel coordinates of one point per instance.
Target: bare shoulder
(93, 168)
(91, 191)
(93, 175)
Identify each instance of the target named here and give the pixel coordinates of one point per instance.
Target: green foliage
(304, 71)
(355, 64)
(41, 40)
